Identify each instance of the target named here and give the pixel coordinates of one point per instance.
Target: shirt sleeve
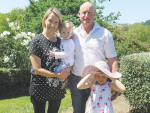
(109, 46)
(34, 47)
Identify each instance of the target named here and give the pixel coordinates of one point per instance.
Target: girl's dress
(100, 99)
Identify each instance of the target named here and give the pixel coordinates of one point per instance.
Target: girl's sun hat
(103, 66)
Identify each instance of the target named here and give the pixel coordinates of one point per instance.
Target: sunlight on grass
(23, 104)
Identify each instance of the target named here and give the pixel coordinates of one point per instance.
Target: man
(93, 43)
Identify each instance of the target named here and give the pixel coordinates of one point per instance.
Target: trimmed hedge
(14, 82)
(135, 69)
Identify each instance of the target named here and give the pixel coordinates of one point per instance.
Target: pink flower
(103, 90)
(93, 108)
(100, 98)
(98, 104)
(102, 110)
(94, 89)
(109, 99)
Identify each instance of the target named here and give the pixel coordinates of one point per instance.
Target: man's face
(86, 14)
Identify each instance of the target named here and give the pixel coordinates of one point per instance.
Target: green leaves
(136, 75)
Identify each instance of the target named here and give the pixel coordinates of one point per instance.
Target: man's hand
(52, 54)
(115, 95)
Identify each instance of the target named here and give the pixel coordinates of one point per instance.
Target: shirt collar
(94, 28)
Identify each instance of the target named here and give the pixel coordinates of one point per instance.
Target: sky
(132, 11)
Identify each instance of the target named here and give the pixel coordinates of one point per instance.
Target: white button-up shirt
(98, 45)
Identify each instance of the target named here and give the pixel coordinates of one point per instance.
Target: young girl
(95, 76)
(67, 47)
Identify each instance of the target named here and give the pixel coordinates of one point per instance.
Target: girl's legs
(39, 107)
(53, 106)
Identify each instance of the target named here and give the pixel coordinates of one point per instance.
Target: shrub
(142, 32)
(136, 76)
(14, 81)
(14, 47)
(127, 45)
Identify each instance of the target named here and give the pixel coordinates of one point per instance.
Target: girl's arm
(85, 83)
(117, 85)
(36, 64)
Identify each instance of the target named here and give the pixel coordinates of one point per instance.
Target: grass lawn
(23, 104)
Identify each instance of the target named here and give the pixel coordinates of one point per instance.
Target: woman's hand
(64, 73)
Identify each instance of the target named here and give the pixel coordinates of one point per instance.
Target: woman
(45, 83)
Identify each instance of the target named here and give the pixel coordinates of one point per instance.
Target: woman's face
(51, 23)
(101, 78)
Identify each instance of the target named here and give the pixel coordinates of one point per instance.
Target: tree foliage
(141, 32)
(147, 22)
(69, 9)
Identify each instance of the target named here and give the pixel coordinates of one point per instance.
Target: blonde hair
(48, 12)
(66, 25)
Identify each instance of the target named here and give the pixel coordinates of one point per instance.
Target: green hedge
(136, 77)
(14, 82)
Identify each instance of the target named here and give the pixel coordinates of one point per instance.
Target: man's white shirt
(98, 45)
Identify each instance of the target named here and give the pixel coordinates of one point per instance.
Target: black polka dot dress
(45, 88)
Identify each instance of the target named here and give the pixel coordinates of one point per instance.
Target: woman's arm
(36, 64)
(85, 83)
(117, 86)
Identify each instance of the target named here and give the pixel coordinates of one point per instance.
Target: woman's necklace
(53, 39)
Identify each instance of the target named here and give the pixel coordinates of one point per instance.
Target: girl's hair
(66, 25)
(48, 12)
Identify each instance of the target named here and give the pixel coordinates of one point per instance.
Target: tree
(141, 32)
(69, 9)
(147, 22)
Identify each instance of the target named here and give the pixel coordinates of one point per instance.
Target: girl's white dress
(100, 99)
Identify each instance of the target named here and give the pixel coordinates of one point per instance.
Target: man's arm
(113, 64)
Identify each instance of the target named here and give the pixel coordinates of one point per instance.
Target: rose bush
(14, 47)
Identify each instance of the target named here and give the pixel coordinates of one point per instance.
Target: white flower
(27, 48)
(6, 33)
(15, 37)
(23, 34)
(7, 19)
(2, 35)
(13, 28)
(28, 38)
(32, 34)
(25, 42)
(11, 24)
(11, 55)
(18, 35)
(18, 27)
(29, 33)
(6, 59)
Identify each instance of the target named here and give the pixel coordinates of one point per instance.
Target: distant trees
(147, 22)
(141, 32)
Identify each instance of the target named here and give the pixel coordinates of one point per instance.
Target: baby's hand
(52, 54)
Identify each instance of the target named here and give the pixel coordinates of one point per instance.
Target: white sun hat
(103, 66)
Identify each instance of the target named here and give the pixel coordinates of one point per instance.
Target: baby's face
(66, 33)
